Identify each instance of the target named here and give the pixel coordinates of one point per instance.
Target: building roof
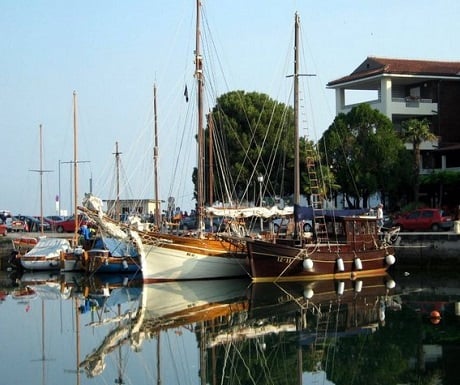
(374, 66)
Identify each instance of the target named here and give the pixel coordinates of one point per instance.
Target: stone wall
(6, 247)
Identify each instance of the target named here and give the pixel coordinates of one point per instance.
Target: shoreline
(422, 249)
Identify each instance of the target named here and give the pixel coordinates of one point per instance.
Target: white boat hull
(45, 255)
(45, 264)
(169, 264)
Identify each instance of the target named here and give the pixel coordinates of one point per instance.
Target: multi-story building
(403, 89)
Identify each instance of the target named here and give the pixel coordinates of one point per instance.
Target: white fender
(340, 265)
(307, 264)
(358, 264)
(390, 259)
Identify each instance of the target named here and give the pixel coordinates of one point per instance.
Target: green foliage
(364, 150)
(253, 134)
(360, 154)
(445, 177)
(416, 131)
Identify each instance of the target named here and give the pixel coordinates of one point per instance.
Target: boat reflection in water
(242, 331)
(291, 328)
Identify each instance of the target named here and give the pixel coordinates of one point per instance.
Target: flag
(186, 93)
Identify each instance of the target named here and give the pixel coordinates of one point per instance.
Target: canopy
(116, 247)
(246, 212)
(303, 213)
(50, 247)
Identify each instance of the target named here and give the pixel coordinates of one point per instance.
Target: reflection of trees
(379, 358)
(248, 362)
(391, 355)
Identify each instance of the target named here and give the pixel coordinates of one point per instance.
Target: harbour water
(401, 328)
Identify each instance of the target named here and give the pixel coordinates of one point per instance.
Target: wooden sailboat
(357, 250)
(108, 254)
(173, 257)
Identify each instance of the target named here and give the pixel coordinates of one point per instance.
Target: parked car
(16, 224)
(191, 223)
(54, 218)
(424, 219)
(3, 229)
(68, 225)
(34, 224)
(280, 225)
(51, 220)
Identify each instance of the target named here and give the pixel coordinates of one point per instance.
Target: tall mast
(155, 159)
(296, 123)
(75, 166)
(296, 115)
(211, 157)
(199, 78)
(117, 164)
(41, 171)
(41, 179)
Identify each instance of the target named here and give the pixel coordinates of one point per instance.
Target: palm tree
(417, 131)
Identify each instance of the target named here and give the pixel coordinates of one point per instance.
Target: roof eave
(340, 84)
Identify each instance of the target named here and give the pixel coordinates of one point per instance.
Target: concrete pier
(428, 249)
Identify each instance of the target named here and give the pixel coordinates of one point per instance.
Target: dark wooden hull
(281, 262)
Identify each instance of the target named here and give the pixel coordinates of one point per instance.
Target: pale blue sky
(111, 53)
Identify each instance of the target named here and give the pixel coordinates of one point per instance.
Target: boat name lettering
(284, 260)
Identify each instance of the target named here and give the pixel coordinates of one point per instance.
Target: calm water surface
(68, 329)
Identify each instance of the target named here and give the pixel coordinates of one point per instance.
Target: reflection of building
(405, 89)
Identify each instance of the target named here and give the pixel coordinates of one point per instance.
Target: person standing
(379, 217)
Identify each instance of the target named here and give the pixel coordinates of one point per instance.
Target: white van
(6, 218)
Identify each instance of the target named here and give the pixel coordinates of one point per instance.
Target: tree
(417, 131)
(252, 134)
(363, 150)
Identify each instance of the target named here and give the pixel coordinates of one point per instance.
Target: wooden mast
(296, 125)
(75, 168)
(117, 201)
(199, 78)
(41, 180)
(41, 171)
(211, 158)
(155, 160)
(296, 113)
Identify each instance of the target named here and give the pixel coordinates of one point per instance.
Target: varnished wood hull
(277, 262)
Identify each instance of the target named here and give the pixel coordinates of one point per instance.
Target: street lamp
(260, 179)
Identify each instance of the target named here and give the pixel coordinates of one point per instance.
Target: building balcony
(413, 106)
(399, 106)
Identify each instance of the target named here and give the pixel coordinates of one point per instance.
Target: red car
(3, 229)
(68, 225)
(424, 219)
